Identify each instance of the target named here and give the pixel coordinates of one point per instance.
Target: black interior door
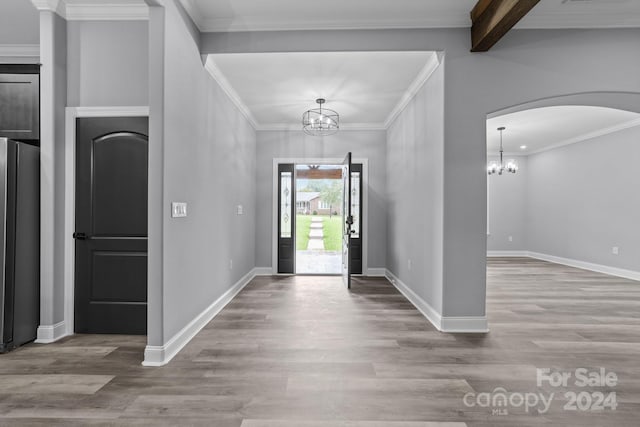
(348, 221)
(286, 218)
(111, 225)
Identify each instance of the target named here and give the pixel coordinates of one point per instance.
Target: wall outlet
(240, 210)
(409, 264)
(511, 238)
(230, 264)
(615, 250)
(178, 209)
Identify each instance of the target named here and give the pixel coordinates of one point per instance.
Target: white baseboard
(466, 324)
(51, 333)
(507, 254)
(161, 355)
(263, 271)
(376, 272)
(423, 307)
(599, 268)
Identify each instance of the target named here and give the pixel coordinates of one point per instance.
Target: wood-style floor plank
(305, 352)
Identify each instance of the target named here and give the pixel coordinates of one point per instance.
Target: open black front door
(355, 241)
(348, 221)
(111, 225)
(286, 218)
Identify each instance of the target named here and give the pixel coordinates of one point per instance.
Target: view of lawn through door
(319, 222)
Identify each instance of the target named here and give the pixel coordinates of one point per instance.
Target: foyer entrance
(319, 219)
(314, 234)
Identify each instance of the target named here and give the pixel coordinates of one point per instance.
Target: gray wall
(415, 179)
(584, 198)
(507, 195)
(526, 65)
(368, 145)
(208, 160)
(108, 63)
(19, 23)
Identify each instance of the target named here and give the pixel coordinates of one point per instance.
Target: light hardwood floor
(304, 352)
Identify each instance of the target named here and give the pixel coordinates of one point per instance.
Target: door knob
(79, 236)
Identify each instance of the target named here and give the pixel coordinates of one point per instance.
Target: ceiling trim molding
(601, 19)
(216, 25)
(584, 137)
(194, 12)
(20, 50)
(56, 6)
(219, 77)
(426, 72)
(77, 11)
(107, 12)
(344, 127)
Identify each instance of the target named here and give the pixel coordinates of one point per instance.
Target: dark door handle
(80, 236)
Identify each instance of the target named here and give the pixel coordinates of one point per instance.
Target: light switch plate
(240, 210)
(178, 209)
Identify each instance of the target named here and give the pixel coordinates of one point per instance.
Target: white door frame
(319, 161)
(72, 113)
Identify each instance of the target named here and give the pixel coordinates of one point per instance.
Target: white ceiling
(550, 127)
(367, 89)
(256, 15)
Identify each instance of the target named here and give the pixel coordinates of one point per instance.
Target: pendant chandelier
(319, 121)
(511, 165)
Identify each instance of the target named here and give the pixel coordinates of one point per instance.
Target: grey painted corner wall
(108, 63)
(415, 184)
(19, 23)
(583, 199)
(208, 161)
(507, 196)
(525, 66)
(368, 145)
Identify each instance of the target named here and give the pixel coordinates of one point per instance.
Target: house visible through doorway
(319, 219)
(310, 227)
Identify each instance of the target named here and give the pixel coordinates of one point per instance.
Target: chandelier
(494, 166)
(319, 121)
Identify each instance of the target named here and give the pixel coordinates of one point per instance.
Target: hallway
(302, 351)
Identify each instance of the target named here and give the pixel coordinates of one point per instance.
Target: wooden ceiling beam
(492, 19)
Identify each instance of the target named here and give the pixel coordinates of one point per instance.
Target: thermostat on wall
(178, 209)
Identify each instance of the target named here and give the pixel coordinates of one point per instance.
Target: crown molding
(590, 135)
(219, 77)
(580, 138)
(257, 24)
(56, 6)
(107, 12)
(77, 10)
(20, 50)
(432, 64)
(194, 12)
(600, 19)
(346, 127)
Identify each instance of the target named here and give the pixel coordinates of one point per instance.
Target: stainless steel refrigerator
(19, 243)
